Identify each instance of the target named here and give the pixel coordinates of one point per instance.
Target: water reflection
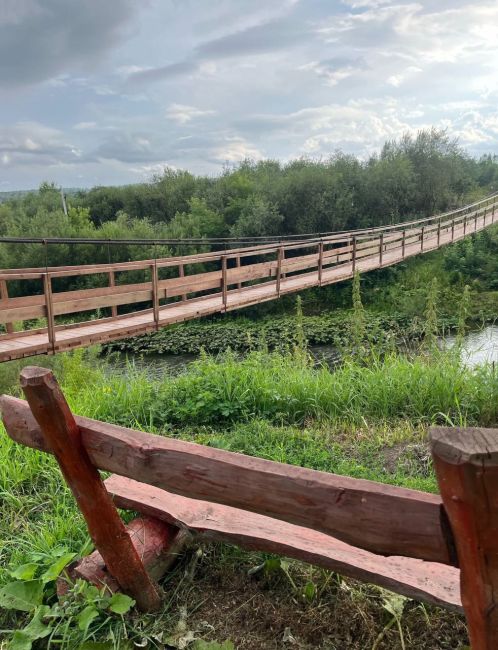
(479, 347)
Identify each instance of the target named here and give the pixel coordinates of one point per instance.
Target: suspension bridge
(161, 291)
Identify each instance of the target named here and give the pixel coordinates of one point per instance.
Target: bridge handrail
(319, 261)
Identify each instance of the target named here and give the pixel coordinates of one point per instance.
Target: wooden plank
(61, 433)
(381, 518)
(466, 464)
(157, 543)
(435, 583)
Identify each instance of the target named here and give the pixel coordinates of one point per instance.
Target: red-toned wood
(435, 583)
(466, 464)
(62, 435)
(380, 518)
(157, 543)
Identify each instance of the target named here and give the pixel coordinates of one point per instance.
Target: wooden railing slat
(380, 518)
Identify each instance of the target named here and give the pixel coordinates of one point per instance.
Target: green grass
(363, 420)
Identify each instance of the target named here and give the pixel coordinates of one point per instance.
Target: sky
(100, 92)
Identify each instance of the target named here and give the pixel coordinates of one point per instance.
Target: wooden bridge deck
(335, 259)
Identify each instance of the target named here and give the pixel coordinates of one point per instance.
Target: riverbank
(367, 419)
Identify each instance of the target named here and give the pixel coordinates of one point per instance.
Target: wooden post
(453, 229)
(422, 234)
(237, 262)
(105, 526)
(280, 252)
(4, 295)
(181, 273)
(475, 221)
(353, 256)
(112, 283)
(320, 263)
(282, 275)
(465, 225)
(224, 287)
(466, 464)
(47, 290)
(155, 293)
(403, 245)
(381, 248)
(438, 233)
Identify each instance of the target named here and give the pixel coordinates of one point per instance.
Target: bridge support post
(320, 263)
(353, 255)
(112, 283)
(466, 464)
(4, 295)
(453, 229)
(49, 310)
(155, 293)
(224, 286)
(181, 273)
(438, 233)
(422, 235)
(280, 254)
(381, 248)
(237, 262)
(403, 245)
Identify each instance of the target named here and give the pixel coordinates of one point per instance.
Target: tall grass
(286, 389)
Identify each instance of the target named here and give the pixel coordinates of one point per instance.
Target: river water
(480, 346)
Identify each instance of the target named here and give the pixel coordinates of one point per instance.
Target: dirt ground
(268, 609)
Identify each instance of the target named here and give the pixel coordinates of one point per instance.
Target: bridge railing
(148, 286)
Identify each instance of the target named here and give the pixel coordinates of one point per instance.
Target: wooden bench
(407, 541)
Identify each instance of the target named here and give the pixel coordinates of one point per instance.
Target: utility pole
(64, 206)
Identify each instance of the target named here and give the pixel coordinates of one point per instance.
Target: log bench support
(107, 530)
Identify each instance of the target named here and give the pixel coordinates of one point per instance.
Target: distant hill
(17, 194)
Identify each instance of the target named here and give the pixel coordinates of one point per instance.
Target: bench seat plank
(433, 582)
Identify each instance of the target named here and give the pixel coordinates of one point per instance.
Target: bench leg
(466, 464)
(157, 543)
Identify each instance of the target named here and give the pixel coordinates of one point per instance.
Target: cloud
(128, 147)
(234, 150)
(25, 143)
(269, 36)
(336, 69)
(42, 39)
(182, 114)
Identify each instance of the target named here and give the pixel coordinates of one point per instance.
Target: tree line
(412, 177)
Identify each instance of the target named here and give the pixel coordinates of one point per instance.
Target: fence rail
(159, 291)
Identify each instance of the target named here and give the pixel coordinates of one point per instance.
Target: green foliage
(68, 623)
(358, 325)
(414, 176)
(431, 315)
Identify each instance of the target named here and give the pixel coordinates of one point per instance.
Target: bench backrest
(461, 527)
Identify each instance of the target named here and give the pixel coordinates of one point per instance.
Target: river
(480, 346)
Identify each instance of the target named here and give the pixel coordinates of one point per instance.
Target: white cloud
(85, 126)
(236, 150)
(183, 114)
